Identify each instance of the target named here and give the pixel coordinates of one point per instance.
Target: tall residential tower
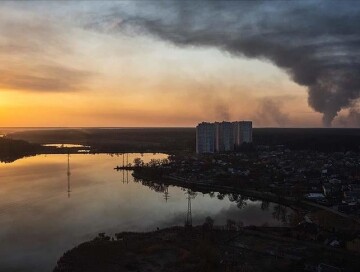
(222, 136)
(205, 138)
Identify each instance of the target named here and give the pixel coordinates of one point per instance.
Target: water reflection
(68, 173)
(38, 225)
(66, 145)
(166, 193)
(125, 172)
(281, 214)
(190, 195)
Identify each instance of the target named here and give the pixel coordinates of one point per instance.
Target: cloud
(43, 78)
(24, 33)
(32, 47)
(316, 42)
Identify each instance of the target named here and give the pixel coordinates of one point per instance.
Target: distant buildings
(224, 136)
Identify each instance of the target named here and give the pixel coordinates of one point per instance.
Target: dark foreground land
(206, 248)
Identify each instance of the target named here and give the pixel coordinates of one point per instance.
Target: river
(51, 203)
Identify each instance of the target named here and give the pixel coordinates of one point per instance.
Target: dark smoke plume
(316, 42)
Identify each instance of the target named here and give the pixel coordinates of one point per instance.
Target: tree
(280, 213)
(209, 222)
(220, 196)
(164, 161)
(230, 224)
(233, 197)
(241, 202)
(265, 205)
(239, 224)
(138, 162)
(154, 163)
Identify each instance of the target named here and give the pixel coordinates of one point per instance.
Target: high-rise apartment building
(205, 138)
(242, 132)
(222, 136)
(246, 131)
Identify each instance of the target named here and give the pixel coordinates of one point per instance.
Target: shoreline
(290, 202)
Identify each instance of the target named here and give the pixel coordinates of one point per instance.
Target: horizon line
(159, 127)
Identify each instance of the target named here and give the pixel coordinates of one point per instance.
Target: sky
(177, 63)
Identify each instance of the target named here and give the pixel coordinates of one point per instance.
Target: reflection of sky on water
(65, 145)
(39, 222)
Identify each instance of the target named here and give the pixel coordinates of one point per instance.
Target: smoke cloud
(316, 42)
(269, 112)
(352, 119)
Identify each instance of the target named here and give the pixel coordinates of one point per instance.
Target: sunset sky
(147, 63)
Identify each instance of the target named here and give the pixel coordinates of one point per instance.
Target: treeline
(170, 140)
(317, 139)
(11, 150)
(116, 140)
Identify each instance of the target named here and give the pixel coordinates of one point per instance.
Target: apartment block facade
(222, 136)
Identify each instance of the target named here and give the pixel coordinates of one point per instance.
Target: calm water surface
(43, 213)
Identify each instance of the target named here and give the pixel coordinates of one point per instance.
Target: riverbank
(210, 186)
(291, 202)
(206, 187)
(204, 248)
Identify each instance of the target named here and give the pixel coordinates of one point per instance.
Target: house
(331, 188)
(354, 245)
(354, 187)
(351, 208)
(327, 188)
(334, 181)
(315, 196)
(352, 197)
